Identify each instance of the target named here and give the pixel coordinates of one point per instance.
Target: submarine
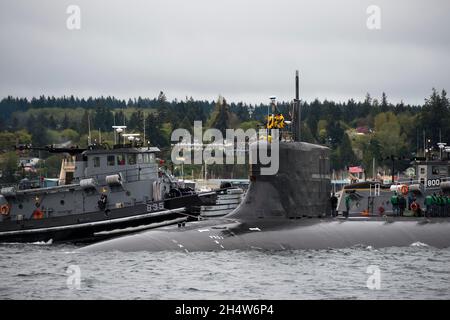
(288, 210)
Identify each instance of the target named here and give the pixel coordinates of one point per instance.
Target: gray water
(36, 271)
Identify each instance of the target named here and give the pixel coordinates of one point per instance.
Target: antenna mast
(89, 130)
(144, 127)
(114, 123)
(297, 109)
(119, 130)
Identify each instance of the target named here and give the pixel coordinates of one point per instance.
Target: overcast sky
(244, 50)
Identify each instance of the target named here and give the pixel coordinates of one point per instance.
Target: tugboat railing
(417, 181)
(129, 175)
(375, 191)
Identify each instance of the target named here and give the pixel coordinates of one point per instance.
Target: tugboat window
(131, 159)
(148, 157)
(422, 170)
(140, 159)
(111, 160)
(96, 162)
(435, 170)
(121, 159)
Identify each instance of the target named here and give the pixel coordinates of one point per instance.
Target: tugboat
(103, 191)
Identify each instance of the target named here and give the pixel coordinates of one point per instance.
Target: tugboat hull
(93, 226)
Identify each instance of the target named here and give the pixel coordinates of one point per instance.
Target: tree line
(356, 131)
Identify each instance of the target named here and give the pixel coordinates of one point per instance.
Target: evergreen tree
(103, 119)
(222, 118)
(154, 132)
(345, 153)
(38, 132)
(435, 117)
(120, 118)
(162, 98)
(136, 122)
(84, 124)
(9, 167)
(384, 106)
(335, 133)
(51, 122)
(65, 122)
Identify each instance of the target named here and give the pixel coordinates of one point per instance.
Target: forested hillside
(356, 131)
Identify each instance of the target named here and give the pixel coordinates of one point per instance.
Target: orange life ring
(4, 209)
(38, 214)
(404, 189)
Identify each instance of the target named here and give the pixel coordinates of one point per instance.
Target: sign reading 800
(433, 182)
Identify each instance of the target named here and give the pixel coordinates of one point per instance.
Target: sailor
(347, 205)
(415, 208)
(438, 205)
(441, 204)
(394, 202)
(434, 204)
(447, 206)
(411, 199)
(428, 205)
(102, 201)
(333, 201)
(401, 204)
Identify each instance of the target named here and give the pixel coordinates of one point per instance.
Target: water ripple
(36, 271)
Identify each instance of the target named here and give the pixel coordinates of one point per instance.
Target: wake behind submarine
(286, 211)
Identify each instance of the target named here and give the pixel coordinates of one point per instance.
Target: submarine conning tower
(300, 188)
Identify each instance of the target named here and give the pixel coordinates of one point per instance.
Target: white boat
(226, 201)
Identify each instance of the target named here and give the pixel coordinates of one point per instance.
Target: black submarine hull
(306, 233)
(287, 211)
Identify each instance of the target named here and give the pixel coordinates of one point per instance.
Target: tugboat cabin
(91, 180)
